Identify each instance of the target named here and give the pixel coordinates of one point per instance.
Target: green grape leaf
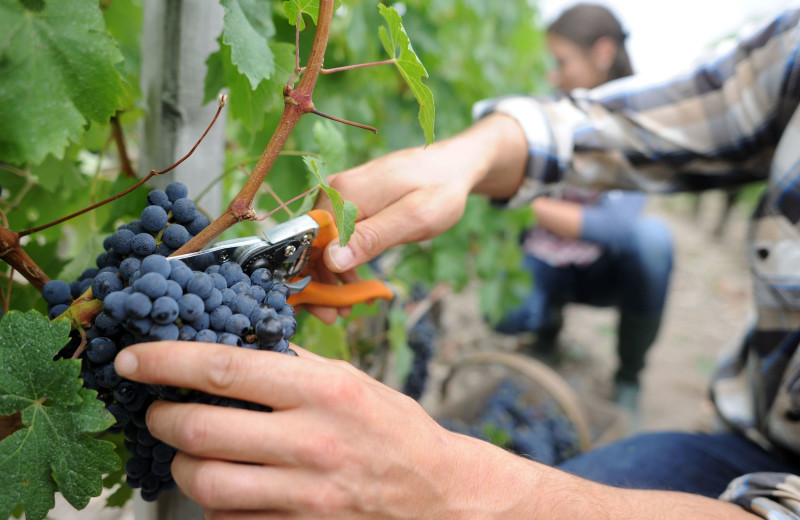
(53, 451)
(410, 66)
(398, 341)
(309, 7)
(245, 103)
(58, 68)
(332, 146)
(324, 340)
(247, 27)
(345, 211)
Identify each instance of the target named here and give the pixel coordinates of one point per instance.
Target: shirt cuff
(773, 496)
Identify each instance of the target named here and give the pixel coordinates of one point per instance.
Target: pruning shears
(287, 250)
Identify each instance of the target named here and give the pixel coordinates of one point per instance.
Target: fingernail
(126, 363)
(341, 257)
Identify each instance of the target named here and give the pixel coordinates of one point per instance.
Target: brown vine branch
(297, 102)
(358, 66)
(345, 121)
(119, 140)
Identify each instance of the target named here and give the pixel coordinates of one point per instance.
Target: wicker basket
(471, 380)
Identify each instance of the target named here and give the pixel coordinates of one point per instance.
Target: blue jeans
(633, 277)
(702, 464)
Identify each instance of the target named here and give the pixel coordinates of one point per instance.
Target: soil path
(708, 305)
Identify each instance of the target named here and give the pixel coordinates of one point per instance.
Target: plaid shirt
(733, 119)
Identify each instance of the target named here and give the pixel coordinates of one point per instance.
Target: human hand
(418, 193)
(337, 445)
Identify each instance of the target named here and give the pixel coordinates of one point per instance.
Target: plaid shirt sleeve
(774, 496)
(715, 126)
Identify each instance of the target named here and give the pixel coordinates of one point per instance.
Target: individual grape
(276, 299)
(206, 336)
(139, 326)
(183, 210)
(107, 377)
(228, 295)
(227, 338)
(138, 305)
(101, 350)
(176, 190)
(187, 333)
(289, 326)
(269, 332)
(219, 317)
(156, 264)
(165, 311)
(237, 324)
(240, 287)
(85, 284)
(136, 226)
(163, 249)
(143, 244)
(231, 271)
(175, 236)
(286, 310)
(154, 219)
(88, 273)
(213, 300)
(219, 281)
(244, 304)
(262, 311)
(75, 289)
(125, 392)
(200, 284)
(174, 290)
(211, 269)
(257, 293)
(191, 306)
(168, 332)
(137, 467)
(122, 241)
(153, 285)
(163, 452)
(56, 291)
(104, 284)
(121, 415)
(129, 266)
(159, 198)
(198, 224)
(106, 324)
(180, 274)
(201, 322)
(281, 288)
(114, 305)
(263, 278)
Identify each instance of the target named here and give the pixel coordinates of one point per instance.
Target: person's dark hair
(584, 24)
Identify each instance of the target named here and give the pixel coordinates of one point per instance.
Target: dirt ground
(709, 301)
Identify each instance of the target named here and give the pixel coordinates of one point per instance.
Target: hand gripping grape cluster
(149, 298)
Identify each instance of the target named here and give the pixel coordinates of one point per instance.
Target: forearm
(493, 152)
(561, 217)
(503, 486)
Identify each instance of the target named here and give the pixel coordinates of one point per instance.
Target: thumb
(365, 244)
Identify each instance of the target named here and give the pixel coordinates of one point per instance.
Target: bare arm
(342, 445)
(561, 217)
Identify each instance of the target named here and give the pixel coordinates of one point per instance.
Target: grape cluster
(147, 297)
(170, 220)
(421, 340)
(538, 431)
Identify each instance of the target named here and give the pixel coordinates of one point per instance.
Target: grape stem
(119, 139)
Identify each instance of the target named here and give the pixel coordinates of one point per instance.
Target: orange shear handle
(330, 295)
